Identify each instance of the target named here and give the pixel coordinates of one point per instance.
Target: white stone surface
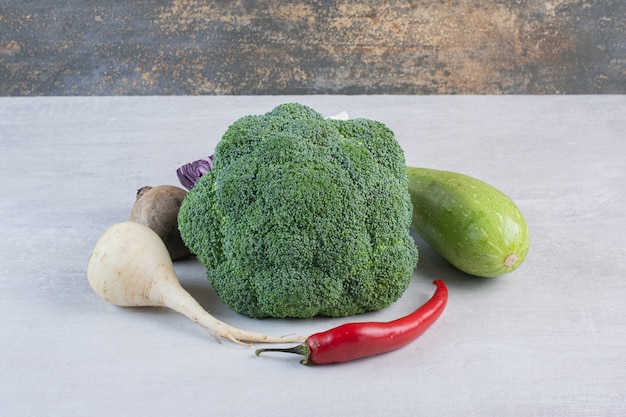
(546, 340)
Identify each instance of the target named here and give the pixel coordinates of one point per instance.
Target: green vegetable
(473, 225)
(303, 216)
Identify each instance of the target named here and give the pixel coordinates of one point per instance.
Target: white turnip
(131, 267)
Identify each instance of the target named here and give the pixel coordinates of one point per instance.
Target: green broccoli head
(303, 216)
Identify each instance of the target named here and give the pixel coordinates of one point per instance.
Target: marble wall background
(196, 47)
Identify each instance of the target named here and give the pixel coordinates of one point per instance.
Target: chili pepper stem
(301, 349)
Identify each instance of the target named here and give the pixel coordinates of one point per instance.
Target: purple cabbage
(190, 173)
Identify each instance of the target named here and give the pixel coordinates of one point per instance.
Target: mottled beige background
(316, 47)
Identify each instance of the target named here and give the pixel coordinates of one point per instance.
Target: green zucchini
(474, 226)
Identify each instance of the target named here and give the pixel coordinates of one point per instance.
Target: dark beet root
(157, 207)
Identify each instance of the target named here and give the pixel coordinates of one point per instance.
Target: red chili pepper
(357, 340)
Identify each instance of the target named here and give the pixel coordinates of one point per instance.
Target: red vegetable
(357, 340)
(189, 173)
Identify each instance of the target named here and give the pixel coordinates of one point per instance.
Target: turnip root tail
(131, 267)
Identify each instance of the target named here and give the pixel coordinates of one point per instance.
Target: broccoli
(303, 216)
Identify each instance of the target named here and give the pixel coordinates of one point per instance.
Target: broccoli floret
(303, 216)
